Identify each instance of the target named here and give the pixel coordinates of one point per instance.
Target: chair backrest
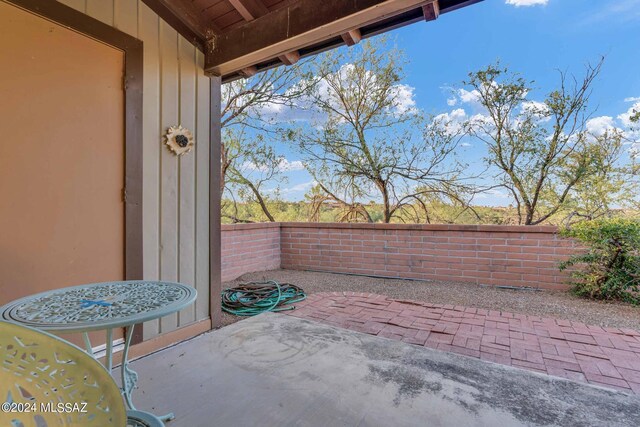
(49, 382)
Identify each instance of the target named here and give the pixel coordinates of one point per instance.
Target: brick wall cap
(545, 229)
(251, 226)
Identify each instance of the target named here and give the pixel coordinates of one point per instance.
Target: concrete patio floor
(277, 370)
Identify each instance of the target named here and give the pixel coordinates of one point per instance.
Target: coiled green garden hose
(250, 299)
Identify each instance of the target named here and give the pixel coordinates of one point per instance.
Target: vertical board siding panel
(148, 31)
(202, 190)
(102, 10)
(79, 5)
(125, 16)
(169, 74)
(186, 249)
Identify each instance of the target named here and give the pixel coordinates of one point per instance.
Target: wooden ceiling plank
(228, 19)
(295, 26)
(351, 37)
(272, 4)
(431, 11)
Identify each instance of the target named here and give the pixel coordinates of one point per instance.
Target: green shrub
(610, 269)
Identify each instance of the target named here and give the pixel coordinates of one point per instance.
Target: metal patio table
(102, 306)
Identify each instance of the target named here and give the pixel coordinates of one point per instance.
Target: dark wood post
(215, 261)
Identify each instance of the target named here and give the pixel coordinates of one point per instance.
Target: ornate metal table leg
(130, 377)
(109, 350)
(87, 343)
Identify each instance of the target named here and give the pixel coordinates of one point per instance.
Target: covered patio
(339, 359)
(123, 205)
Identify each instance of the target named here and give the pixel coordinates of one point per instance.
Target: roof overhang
(265, 38)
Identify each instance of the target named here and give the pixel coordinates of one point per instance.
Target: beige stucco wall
(175, 195)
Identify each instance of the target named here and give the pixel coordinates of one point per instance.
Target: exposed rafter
(351, 37)
(300, 24)
(248, 72)
(431, 11)
(290, 58)
(249, 9)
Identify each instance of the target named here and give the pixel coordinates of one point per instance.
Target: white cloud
(623, 125)
(284, 165)
(620, 11)
(469, 96)
(403, 96)
(457, 115)
(625, 118)
(519, 3)
(481, 120)
(302, 187)
(405, 101)
(451, 121)
(493, 194)
(304, 110)
(270, 108)
(633, 129)
(600, 125)
(253, 167)
(535, 107)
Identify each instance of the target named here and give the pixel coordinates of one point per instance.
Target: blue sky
(533, 37)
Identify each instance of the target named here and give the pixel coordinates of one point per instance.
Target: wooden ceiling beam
(431, 11)
(295, 26)
(249, 9)
(351, 37)
(185, 18)
(253, 9)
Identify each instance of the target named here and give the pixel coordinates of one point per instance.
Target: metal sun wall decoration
(179, 140)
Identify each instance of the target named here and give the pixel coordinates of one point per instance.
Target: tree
(251, 165)
(634, 120)
(608, 186)
(250, 109)
(363, 141)
(543, 151)
(352, 211)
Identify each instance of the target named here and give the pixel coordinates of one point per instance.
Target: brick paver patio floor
(607, 357)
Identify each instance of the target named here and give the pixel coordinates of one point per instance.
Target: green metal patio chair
(45, 382)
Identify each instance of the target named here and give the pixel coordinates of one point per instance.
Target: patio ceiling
(243, 37)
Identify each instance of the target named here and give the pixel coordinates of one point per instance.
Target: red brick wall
(492, 255)
(482, 254)
(249, 247)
